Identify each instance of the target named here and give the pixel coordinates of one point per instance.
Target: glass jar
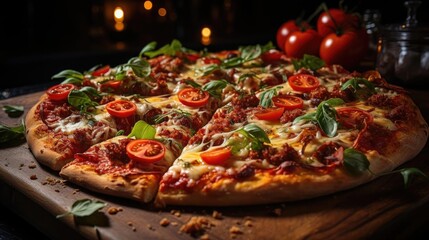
(403, 51)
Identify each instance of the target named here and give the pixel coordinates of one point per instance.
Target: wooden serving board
(380, 209)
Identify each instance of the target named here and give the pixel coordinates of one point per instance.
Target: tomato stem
(316, 12)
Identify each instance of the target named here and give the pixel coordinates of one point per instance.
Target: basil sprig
(171, 49)
(70, 76)
(308, 61)
(140, 67)
(215, 87)
(177, 112)
(247, 53)
(266, 97)
(361, 87)
(142, 130)
(11, 134)
(84, 208)
(81, 99)
(254, 135)
(13, 111)
(325, 116)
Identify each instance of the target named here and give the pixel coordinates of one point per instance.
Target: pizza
(248, 126)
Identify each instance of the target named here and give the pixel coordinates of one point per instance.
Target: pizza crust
(39, 142)
(140, 187)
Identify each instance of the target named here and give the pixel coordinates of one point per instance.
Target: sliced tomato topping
(192, 57)
(288, 102)
(110, 85)
(101, 71)
(145, 150)
(211, 60)
(121, 108)
(350, 117)
(216, 156)
(60, 92)
(270, 114)
(303, 82)
(193, 97)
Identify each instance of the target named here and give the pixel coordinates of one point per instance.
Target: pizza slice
(316, 134)
(69, 119)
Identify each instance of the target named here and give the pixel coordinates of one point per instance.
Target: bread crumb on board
(114, 210)
(164, 222)
(196, 226)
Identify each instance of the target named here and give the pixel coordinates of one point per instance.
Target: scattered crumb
(32, 166)
(6, 164)
(248, 223)
(217, 215)
(277, 211)
(134, 229)
(176, 213)
(174, 223)
(21, 165)
(196, 226)
(53, 181)
(56, 190)
(235, 230)
(150, 227)
(114, 210)
(164, 222)
(205, 236)
(76, 191)
(238, 222)
(33, 177)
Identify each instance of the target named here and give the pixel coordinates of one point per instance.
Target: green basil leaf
(10, 134)
(256, 132)
(84, 208)
(325, 116)
(361, 87)
(142, 130)
(266, 97)
(268, 47)
(307, 117)
(120, 133)
(72, 81)
(192, 83)
(206, 70)
(168, 49)
(308, 61)
(327, 119)
(232, 62)
(355, 162)
(91, 70)
(409, 173)
(255, 135)
(215, 87)
(148, 48)
(90, 92)
(69, 74)
(13, 111)
(249, 53)
(80, 100)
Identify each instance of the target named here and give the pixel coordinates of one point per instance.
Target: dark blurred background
(41, 38)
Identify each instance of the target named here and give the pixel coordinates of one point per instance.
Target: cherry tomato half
(121, 108)
(101, 71)
(110, 85)
(193, 97)
(192, 57)
(350, 117)
(211, 60)
(216, 156)
(270, 114)
(303, 82)
(288, 102)
(145, 151)
(60, 92)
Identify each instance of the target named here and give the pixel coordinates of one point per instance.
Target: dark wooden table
(382, 209)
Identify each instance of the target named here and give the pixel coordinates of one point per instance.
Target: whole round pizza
(174, 126)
